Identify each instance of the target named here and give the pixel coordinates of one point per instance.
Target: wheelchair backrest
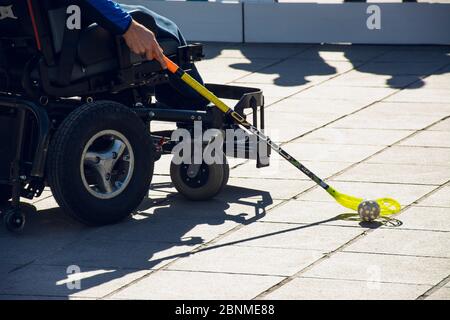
(36, 47)
(15, 19)
(24, 24)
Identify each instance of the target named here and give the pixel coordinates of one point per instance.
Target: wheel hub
(195, 176)
(107, 164)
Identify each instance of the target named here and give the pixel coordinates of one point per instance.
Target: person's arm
(139, 39)
(109, 15)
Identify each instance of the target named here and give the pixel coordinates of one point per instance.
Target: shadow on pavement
(35, 264)
(406, 66)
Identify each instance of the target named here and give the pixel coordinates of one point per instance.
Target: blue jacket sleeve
(109, 15)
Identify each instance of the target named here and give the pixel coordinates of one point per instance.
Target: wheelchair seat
(103, 59)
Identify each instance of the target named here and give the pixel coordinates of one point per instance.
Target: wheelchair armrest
(189, 54)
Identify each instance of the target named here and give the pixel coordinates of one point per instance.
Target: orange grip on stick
(171, 66)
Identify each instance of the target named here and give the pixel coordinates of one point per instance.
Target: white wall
(203, 21)
(401, 23)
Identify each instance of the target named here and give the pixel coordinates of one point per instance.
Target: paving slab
(269, 100)
(404, 108)
(436, 54)
(265, 188)
(188, 230)
(425, 95)
(113, 254)
(333, 289)
(55, 281)
(213, 50)
(361, 120)
(365, 95)
(271, 90)
(440, 198)
(331, 52)
(394, 116)
(425, 218)
(404, 68)
(397, 173)
(314, 106)
(241, 208)
(281, 169)
(330, 152)
(248, 260)
(438, 81)
(313, 212)
(277, 130)
(231, 69)
(382, 268)
(307, 72)
(36, 242)
(355, 137)
(428, 138)
(359, 78)
(440, 294)
(404, 242)
(293, 236)
(426, 156)
(184, 285)
(443, 125)
(6, 268)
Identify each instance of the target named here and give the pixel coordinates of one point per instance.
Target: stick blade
(388, 206)
(348, 201)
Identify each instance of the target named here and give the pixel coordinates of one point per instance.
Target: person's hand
(143, 42)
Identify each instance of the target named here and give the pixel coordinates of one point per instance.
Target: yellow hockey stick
(388, 206)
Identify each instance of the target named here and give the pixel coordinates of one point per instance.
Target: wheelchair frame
(32, 137)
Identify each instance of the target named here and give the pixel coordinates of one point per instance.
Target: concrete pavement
(374, 120)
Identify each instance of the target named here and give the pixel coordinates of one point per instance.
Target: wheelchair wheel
(101, 163)
(14, 220)
(203, 183)
(5, 194)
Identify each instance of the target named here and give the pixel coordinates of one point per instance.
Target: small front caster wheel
(199, 182)
(14, 220)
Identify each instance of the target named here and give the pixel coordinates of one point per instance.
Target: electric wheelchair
(76, 114)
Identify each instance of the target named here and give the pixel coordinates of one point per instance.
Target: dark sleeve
(109, 15)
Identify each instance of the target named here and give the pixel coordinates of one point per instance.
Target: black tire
(65, 155)
(14, 221)
(209, 182)
(5, 194)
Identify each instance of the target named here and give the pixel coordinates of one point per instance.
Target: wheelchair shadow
(404, 66)
(163, 229)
